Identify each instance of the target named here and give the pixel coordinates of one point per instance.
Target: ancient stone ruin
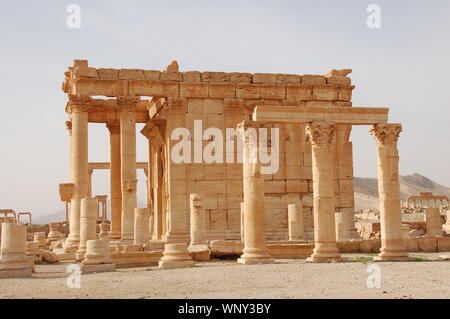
(213, 188)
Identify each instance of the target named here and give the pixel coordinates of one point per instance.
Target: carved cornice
(127, 101)
(113, 127)
(320, 133)
(386, 134)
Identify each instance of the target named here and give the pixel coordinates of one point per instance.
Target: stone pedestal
(198, 223)
(97, 257)
(255, 249)
(176, 256)
(392, 242)
(433, 221)
(88, 225)
(54, 233)
(40, 240)
(321, 136)
(141, 226)
(295, 222)
(13, 261)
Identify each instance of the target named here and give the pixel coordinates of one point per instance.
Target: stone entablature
(80, 79)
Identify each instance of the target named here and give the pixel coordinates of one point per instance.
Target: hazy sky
(403, 65)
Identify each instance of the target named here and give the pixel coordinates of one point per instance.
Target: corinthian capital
(79, 103)
(320, 133)
(386, 134)
(113, 127)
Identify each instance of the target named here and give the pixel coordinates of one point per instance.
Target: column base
(325, 252)
(253, 256)
(71, 245)
(400, 255)
(176, 237)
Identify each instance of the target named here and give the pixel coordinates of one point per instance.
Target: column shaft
(392, 242)
(321, 135)
(128, 166)
(115, 180)
(255, 248)
(79, 163)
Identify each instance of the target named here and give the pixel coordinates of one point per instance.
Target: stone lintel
(337, 115)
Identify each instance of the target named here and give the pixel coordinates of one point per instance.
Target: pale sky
(404, 65)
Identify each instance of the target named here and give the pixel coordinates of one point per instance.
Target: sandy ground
(226, 279)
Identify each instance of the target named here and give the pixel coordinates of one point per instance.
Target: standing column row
(115, 180)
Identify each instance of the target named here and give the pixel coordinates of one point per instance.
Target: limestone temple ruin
(197, 209)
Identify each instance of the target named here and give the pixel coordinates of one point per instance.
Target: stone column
(90, 171)
(78, 107)
(157, 193)
(141, 226)
(198, 222)
(128, 165)
(13, 261)
(69, 130)
(115, 180)
(295, 222)
(392, 242)
(321, 135)
(88, 226)
(255, 249)
(242, 222)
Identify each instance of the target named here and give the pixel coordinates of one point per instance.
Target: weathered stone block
(288, 78)
(110, 74)
(345, 93)
(240, 77)
(192, 76)
(153, 88)
(428, 243)
(152, 75)
(215, 77)
(443, 243)
(222, 90)
(313, 79)
(411, 244)
(273, 91)
(340, 80)
(131, 74)
(198, 90)
(267, 78)
(299, 92)
(325, 92)
(248, 91)
(171, 76)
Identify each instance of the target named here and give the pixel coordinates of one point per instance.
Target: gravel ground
(226, 279)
